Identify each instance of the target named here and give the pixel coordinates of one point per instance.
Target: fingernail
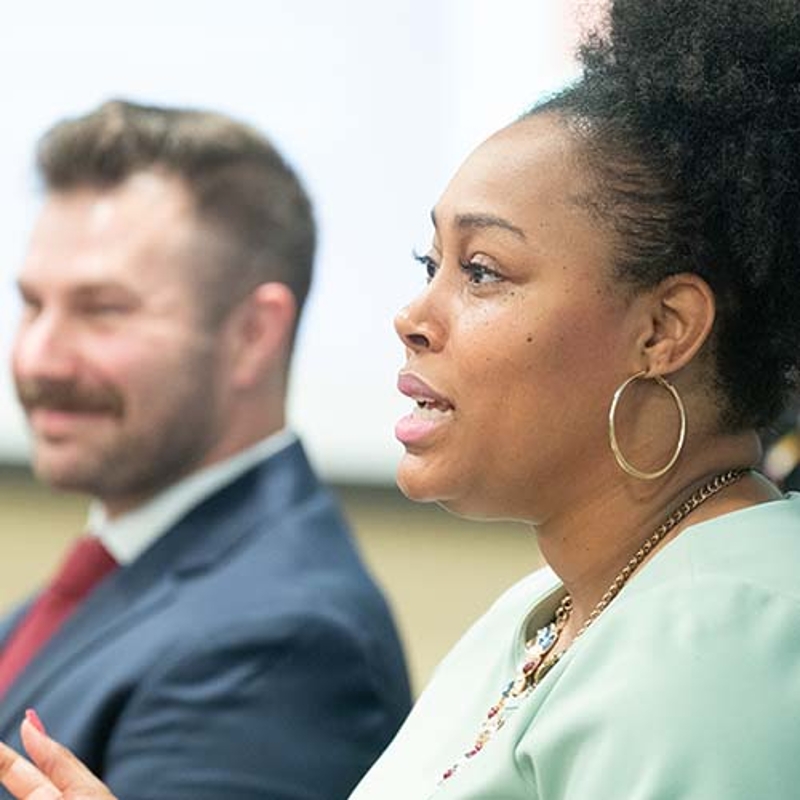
(34, 720)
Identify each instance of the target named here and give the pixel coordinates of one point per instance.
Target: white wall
(375, 103)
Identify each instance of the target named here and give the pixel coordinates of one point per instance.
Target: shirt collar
(129, 535)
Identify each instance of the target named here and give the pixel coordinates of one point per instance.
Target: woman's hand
(52, 774)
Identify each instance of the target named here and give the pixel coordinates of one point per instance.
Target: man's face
(121, 384)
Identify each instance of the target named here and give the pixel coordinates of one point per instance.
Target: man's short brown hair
(244, 193)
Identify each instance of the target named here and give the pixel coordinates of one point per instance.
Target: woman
(609, 318)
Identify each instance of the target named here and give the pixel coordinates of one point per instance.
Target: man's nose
(44, 347)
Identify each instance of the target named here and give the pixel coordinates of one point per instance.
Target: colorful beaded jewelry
(533, 669)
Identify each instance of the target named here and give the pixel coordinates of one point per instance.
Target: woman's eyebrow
(463, 221)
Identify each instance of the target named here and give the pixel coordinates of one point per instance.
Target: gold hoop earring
(612, 429)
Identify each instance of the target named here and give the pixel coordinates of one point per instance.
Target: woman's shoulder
(689, 679)
(756, 548)
(711, 626)
(688, 694)
(724, 587)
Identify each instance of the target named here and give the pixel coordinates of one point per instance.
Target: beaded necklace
(540, 655)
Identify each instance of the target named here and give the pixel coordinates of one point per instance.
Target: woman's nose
(408, 332)
(419, 324)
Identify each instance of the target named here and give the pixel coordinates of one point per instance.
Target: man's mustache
(68, 396)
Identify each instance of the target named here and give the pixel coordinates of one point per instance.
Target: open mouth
(431, 409)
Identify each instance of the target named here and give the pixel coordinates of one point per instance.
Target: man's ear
(681, 312)
(261, 330)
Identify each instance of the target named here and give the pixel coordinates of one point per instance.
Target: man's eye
(105, 309)
(30, 306)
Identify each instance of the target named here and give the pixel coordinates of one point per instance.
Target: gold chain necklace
(540, 654)
(706, 491)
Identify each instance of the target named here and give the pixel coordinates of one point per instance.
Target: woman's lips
(414, 387)
(432, 410)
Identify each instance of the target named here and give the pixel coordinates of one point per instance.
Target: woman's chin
(426, 486)
(418, 482)
(414, 491)
(423, 486)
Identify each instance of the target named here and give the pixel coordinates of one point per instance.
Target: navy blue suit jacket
(245, 655)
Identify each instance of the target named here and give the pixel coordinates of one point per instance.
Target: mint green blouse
(686, 688)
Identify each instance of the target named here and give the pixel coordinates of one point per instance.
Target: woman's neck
(588, 545)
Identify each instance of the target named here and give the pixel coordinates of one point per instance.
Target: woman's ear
(681, 309)
(261, 333)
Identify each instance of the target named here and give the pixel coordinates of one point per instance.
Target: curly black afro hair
(688, 113)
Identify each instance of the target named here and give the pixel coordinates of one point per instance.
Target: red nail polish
(34, 720)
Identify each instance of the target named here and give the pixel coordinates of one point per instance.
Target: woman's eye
(429, 264)
(480, 274)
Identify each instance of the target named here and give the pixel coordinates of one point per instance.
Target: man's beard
(131, 465)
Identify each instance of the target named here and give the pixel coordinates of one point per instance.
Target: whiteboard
(374, 103)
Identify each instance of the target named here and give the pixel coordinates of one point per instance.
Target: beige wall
(439, 572)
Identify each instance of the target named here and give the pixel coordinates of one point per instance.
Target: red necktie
(84, 566)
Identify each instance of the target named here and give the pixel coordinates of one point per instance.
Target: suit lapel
(113, 607)
(195, 544)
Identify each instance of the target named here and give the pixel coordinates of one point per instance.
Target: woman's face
(518, 340)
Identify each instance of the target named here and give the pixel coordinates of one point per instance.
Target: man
(232, 645)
